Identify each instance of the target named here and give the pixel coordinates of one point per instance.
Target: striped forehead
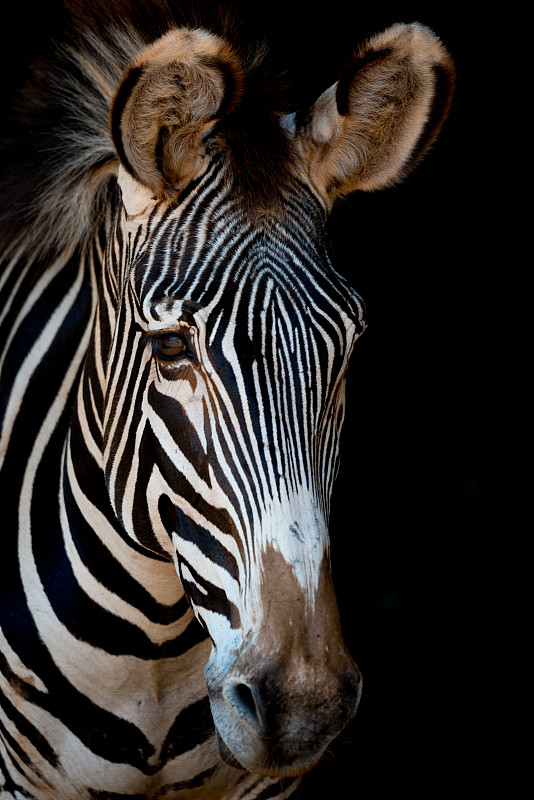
(246, 271)
(209, 244)
(253, 298)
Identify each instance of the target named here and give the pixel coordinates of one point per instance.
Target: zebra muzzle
(290, 689)
(274, 724)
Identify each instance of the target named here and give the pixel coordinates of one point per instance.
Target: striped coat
(174, 344)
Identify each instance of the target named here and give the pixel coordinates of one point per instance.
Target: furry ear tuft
(170, 98)
(375, 124)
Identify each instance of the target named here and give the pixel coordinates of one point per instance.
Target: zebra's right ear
(170, 97)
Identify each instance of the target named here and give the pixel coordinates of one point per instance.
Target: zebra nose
(245, 700)
(268, 702)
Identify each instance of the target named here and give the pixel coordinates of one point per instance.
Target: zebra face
(239, 332)
(238, 337)
(204, 427)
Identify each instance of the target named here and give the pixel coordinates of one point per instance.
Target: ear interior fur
(375, 124)
(169, 99)
(365, 132)
(136, 198)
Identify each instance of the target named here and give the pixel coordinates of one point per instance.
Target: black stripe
(193, 726)
(27, 730)
(119, 105)
(99, 560)
(98, 795)
(443, 89)
(212, 598)
(276, 789)
(9, 786)
(228, 76)
(182, 786)
(196, 534)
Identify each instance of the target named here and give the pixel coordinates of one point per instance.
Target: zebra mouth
(226, 754)
(270, 766)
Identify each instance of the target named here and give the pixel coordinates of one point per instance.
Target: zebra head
(226, 335)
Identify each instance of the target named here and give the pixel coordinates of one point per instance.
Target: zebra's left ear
(369, 129)
(170, 98)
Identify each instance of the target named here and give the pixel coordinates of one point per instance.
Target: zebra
(175, 340)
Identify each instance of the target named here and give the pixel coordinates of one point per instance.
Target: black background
(416, 507)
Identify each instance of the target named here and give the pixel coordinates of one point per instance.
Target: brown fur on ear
(368, 130)
(170, 97)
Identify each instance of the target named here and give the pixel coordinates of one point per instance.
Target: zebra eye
(170, 346)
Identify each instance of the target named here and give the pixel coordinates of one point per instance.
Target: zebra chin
(266, 765)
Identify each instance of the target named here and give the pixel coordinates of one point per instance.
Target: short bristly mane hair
(58, 162)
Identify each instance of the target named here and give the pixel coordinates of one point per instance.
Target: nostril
(245, 702)
(245, 698)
